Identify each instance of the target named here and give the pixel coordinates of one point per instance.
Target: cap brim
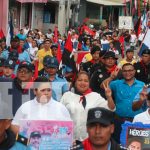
(54, 47)
(36, 135)
(9, 66)
(101, 121)
(110, 56)
(51, 66)
(25, 66)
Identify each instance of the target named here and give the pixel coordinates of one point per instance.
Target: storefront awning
(32, 1)
(106, 2)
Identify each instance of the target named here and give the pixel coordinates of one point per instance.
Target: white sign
(125, 22)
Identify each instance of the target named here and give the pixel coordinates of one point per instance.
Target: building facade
(101, 11)
(43, 15)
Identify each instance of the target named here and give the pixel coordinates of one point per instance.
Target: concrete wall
(23, 15)
(38, 16)
(4, 15)
(82, 10)
(38, 19)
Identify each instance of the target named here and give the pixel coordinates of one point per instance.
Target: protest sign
(47, 135)
(125, 22)
(135, 134)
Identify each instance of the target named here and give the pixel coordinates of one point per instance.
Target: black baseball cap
(2, 60)
(109, 54)
(54, 45)
(146, 51)
(35, 134)
(26, 65)
(94, 49)
(100, 115)
(50, 62)
(10, 63)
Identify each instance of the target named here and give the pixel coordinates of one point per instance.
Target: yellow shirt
(40, 55)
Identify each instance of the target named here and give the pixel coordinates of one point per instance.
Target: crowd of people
(108, 86)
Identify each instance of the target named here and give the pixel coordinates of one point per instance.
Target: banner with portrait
(135, 135)
(47, 135)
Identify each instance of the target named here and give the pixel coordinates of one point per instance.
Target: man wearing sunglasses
(42, 107)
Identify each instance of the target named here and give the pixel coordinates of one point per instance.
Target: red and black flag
(137, 27)
(67, 58)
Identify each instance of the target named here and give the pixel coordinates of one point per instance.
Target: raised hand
(143, 94)
(107, 89)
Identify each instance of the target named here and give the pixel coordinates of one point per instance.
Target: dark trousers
(118, 127)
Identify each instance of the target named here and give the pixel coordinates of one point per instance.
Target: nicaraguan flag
(144, 20)
(10, 32)
(146, 42)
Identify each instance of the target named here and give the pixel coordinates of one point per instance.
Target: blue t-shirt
(124, 95)
(59, 87)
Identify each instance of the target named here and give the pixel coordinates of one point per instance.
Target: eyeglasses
(125, 71)
(23, 71)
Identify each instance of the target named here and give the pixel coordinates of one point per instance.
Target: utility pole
(68, 13)
(77, 13)
(61, 16)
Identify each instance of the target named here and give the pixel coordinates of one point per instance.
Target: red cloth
(17, 62)
(13, 76)
(36, 69)
(1, 34)
(85, 93)
(55, 35)
(19, 49)
(86, 144)
(1, 74)
(121, 40)
(87, 29)
(80, 57)
(68, 44)
(112, 69)
(59, 54)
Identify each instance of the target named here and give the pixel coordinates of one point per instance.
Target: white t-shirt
(32, 52)
(26, 31)
(143, 117)
(49, 35)
(32, 110)
(104, 41)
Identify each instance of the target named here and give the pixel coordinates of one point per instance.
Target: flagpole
(32, 21)
(21, 16)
